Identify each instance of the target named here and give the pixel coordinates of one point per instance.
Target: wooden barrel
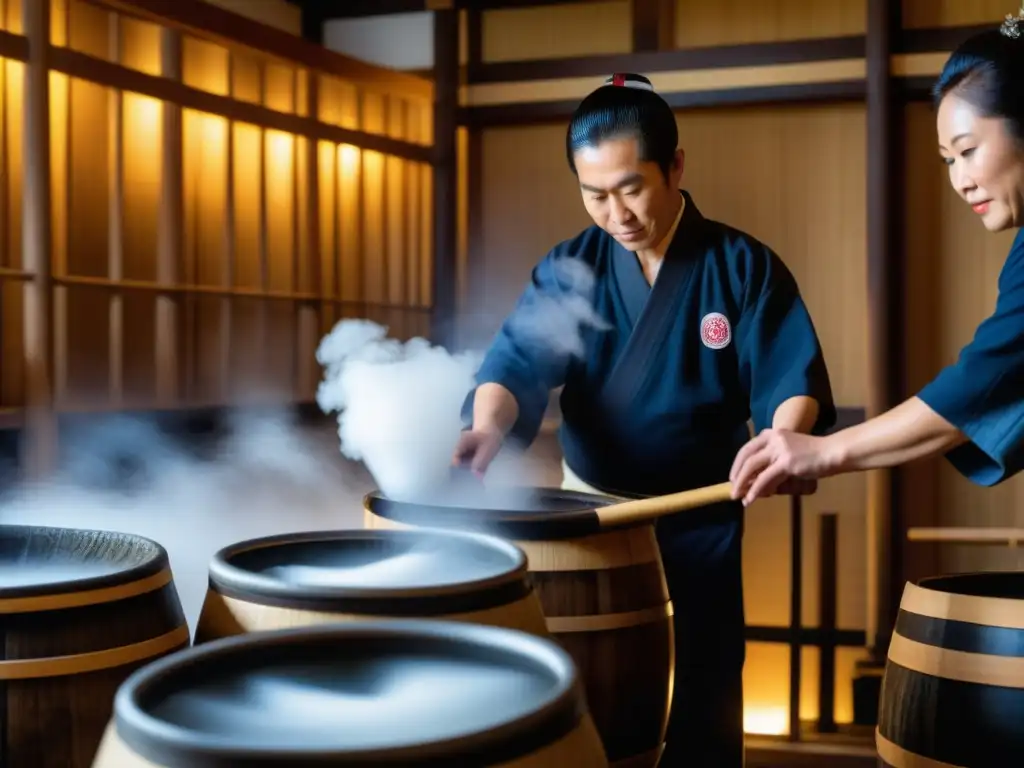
(605, 600)
(381, 693)
(953, 690)
(298, 579)
(80, 611)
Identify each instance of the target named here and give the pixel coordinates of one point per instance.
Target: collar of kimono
(662, 248)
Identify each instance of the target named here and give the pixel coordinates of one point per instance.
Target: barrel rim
(527, 525)
(176, 747)
(156, 560)
(471, 594)
(931, 582)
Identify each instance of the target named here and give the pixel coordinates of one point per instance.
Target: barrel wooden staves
(299, 579)
(80, 611)
(605, 599)
(381, 693)
(953, 690)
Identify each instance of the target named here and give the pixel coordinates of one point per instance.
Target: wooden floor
(770, 753)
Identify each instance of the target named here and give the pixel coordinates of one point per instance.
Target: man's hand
(476, 450)
(779, 461)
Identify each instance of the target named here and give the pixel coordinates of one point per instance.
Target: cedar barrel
(80, 611)
(381, 693)
(953, 690)
(297, 579)
(606, 602)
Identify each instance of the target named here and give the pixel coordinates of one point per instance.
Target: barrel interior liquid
(309, 578)
(384, 693)
(80, 611)
(953, 690)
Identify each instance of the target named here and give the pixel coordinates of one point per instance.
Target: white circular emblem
(715, 330)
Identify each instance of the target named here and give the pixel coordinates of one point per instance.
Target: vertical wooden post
(228, 254)
(37, 248)
(446, 104)
(885, 317)
(475, 272)
(262, 319)
(796, 612)
(115, 223)
(828, 585)
(309, 321)
(654, 25)
(169, 245)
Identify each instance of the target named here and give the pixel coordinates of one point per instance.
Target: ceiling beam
(352, 9)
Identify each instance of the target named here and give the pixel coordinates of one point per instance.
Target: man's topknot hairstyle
(626, 106)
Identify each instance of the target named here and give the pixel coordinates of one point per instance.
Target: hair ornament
(1011, 27)
(630, 81)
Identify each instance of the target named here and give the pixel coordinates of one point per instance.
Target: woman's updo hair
(626, 106)
(987, 71)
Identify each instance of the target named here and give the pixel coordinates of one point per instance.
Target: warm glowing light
(214, 132)
(279, 149)
(766, 721)
(348, 160)
(142, 112)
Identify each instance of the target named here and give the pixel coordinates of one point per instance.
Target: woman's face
(986, 162)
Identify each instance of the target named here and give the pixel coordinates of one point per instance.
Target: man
(707, 330)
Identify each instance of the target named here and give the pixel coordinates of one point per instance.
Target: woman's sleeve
(982, 393)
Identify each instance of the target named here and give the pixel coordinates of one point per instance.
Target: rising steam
(399, 404)
(265, 476)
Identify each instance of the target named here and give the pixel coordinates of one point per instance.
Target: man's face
(628, 198)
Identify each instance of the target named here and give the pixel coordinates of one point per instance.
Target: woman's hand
(779, 461)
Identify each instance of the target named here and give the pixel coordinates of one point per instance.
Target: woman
(973, 411)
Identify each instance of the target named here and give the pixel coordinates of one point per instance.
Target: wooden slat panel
(951, 13)
(557, 31)
(726, 22)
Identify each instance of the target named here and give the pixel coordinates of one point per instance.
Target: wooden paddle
(639, 510)
(1004, 537)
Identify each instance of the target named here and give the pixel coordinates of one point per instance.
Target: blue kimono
(982, 394)
(660, 402)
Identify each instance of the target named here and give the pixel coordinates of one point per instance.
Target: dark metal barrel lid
(50, 560)
(395, 572)
(517, 513)
(389, 693)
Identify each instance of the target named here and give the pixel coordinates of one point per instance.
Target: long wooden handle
(632, 512)
(1005, 537)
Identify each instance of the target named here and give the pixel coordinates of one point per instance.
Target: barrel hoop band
(987, 611)
(61, 600)
(961, 635)
(605, 621)
(80, 663)
(984, 669)
(897, 757)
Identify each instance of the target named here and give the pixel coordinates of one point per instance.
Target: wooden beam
(352, 9)
(107, 73)
(534, 113)
(445, 193)
(885, 316)
(712, 57)
(213, 23)
(654, 25)
(39, 455)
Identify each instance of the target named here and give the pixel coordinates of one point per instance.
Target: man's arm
(495, 409)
